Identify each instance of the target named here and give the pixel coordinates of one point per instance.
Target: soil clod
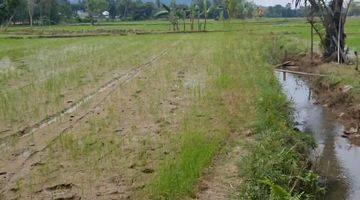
(148, 171)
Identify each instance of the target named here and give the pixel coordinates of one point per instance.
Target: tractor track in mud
(70, 109)
(22, 160)
(19, 62)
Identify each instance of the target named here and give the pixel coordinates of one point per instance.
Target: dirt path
(222, 180)
(28, 148)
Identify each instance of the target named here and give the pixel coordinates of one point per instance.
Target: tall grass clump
(280, 49)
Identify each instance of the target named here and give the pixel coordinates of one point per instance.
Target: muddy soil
(222, 180)
(110, 146)
(22, 161)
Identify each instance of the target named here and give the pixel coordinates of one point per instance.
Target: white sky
(281, 2)
(272, 2)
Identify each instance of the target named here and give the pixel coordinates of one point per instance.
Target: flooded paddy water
(336, 158)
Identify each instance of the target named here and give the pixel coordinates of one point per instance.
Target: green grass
(178, 177)
(279, 155)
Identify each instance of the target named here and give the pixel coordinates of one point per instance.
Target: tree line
(279, 11)
(44, 12)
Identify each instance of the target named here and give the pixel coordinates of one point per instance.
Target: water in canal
(337, 159)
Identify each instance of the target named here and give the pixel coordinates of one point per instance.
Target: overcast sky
(281, 2)
(272, 2)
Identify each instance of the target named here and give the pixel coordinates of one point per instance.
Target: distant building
(106, 14)
(82, 14)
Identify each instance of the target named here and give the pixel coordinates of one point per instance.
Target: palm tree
(197, 10)
(30, 7)
(174, 15)
(183, 14)
(192, 16)
(205, 13)
(332, 17)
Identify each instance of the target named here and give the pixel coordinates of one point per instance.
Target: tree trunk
(334, 41)
(6, 25)
(30, 12)
(92, 20)
(198, 22)
(205, 13)
(332, 34)
(312, 37)
(125, 11)
(192, 22)
(205, 21)
(184, 25)
(30, 21)
(30, 18)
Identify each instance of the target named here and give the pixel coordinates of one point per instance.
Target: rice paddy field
(134, 111)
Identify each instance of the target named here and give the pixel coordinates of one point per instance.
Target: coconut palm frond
(167, 8)
(297, 2)
(161, 13)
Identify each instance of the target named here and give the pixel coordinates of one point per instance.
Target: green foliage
(280, 49)
(46, 12)
(95, 7)
(241, 8)
(174, 13)
(7, 10)
(245, 9)
(280, 11)
(277, 192)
